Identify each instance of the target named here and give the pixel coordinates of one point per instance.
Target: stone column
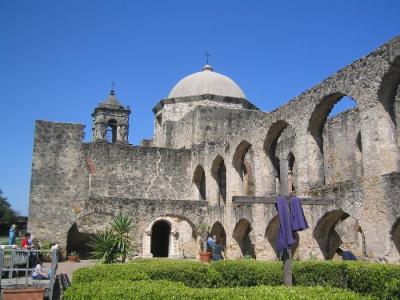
(147, 245)
(379, 149)
(173, 245)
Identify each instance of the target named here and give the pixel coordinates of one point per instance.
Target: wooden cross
(284, 192)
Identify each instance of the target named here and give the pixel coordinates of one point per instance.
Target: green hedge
(361, 277)
(175, 290)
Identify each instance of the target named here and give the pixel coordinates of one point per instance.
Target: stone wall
(130, 171)
(58, 184)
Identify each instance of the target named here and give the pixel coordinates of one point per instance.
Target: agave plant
(122, 225)
(104, 246)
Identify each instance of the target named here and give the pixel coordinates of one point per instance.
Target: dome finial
(112, 92)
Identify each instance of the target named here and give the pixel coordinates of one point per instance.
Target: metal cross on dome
(207, 55)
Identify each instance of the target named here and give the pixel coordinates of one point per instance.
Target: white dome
(206, 82)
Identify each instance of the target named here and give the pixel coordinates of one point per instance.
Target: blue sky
(58, 58)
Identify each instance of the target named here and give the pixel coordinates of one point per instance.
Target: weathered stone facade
(214, 159)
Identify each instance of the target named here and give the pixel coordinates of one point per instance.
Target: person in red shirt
(26, 244)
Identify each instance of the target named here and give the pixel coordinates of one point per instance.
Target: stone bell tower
(111, 121)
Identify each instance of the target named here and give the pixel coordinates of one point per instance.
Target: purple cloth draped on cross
(289, 224)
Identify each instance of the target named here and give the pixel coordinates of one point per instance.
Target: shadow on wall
(241, 235)
(396, 234)
(199, 179)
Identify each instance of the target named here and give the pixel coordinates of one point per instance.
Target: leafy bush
(171, 290)
(104, 246)
(113, 242)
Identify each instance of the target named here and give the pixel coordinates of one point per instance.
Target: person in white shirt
(38, 274)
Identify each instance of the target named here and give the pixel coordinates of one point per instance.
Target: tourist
(26, 242)
(210, 243)
(12, 234)
(37, 273)
(346, 255)
(217, 251)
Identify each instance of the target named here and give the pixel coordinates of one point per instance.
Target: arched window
(218, 172)
(111, 134)
(334, 121)
(243, 164)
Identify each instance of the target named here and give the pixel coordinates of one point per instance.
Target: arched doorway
(160, 233)
(78, 241)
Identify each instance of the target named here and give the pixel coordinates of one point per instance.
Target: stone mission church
(216, 159)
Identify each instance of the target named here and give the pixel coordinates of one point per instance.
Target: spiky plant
(104, 246)
(122, 225)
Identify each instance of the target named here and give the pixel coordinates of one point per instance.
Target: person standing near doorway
(12, 235)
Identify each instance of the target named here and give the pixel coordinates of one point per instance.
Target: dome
(206, 82)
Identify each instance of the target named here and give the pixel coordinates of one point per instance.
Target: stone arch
(160, 238)
(243, 162)
(389, 97)
(80, 232)
(218, 171)
(272, 232)
(389, 88)
(271, 150)
(395, 232)
(199, 180)
(242, 237)
(316, 125)
(111, 131)
(338, 229)
(218, 230)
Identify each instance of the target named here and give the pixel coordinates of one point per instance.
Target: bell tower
(111, 120)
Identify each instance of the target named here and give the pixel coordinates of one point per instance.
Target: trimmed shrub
(361, 277)
(332, 273)
(114, 272)
(153, 290)
(247, 273)
(374, 279)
